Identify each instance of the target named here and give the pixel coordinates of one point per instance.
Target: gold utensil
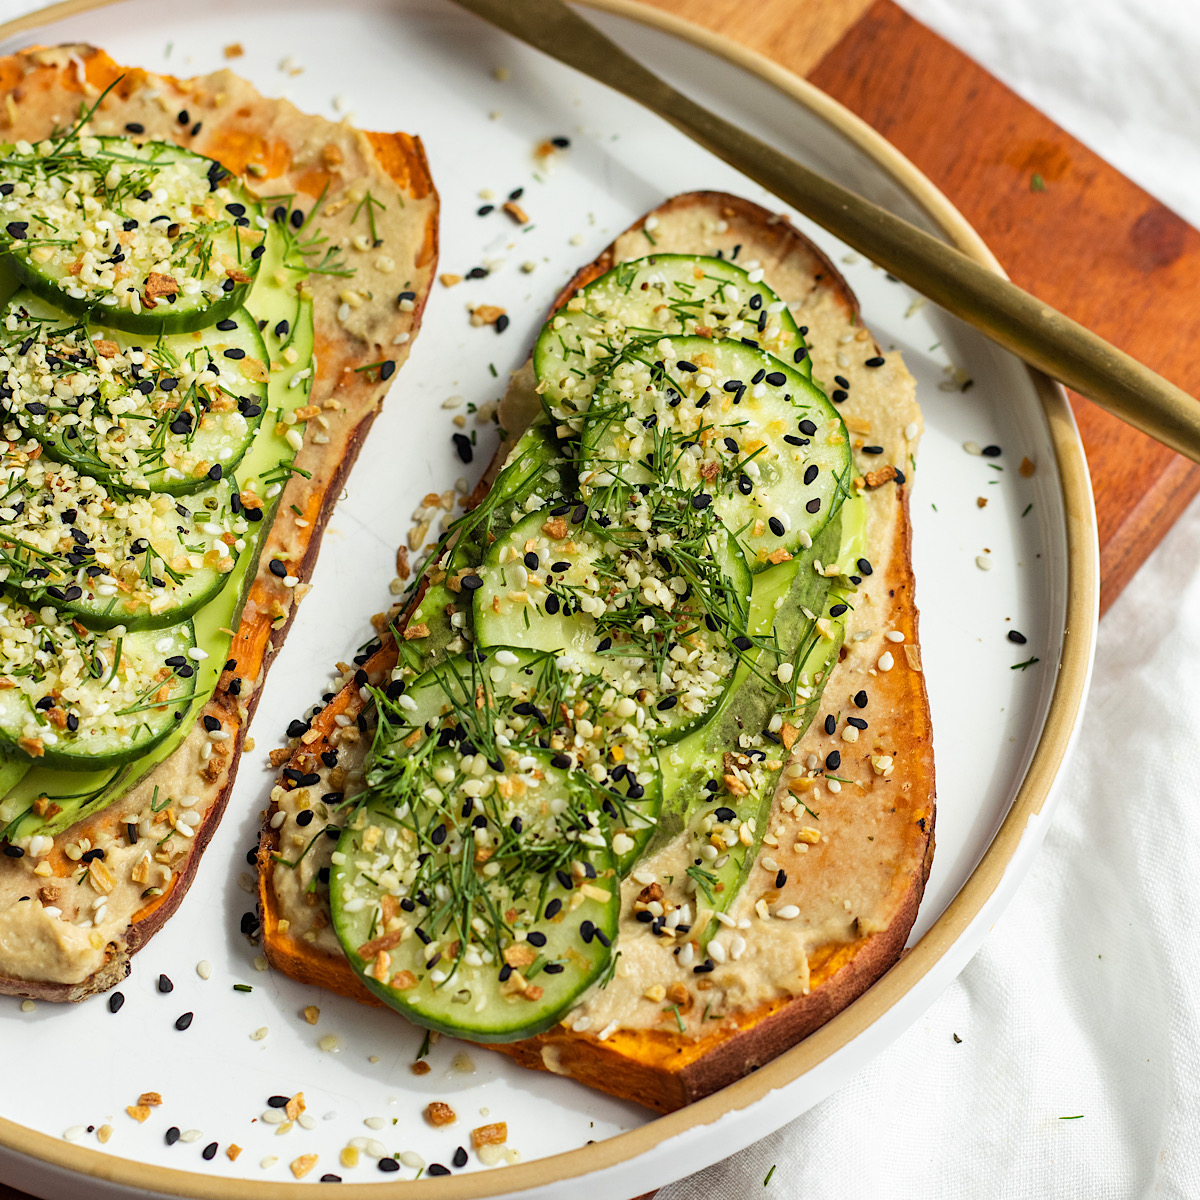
(1013, 318)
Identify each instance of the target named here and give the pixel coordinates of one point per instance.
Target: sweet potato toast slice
(855, 874)
(53, 955)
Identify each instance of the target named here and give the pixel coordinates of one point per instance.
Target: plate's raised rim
(1061, 719)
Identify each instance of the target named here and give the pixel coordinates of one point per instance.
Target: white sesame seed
(983, 562)
(894, 635)
(972, 447)
(789, 912)
(204, 969)
(911, 430)
(886, 661)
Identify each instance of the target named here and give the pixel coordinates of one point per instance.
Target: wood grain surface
(1091, 243)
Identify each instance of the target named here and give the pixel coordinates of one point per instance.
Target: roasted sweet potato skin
(235, 125)
(661, 1068)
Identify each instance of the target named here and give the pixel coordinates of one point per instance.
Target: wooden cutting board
(1091, 243)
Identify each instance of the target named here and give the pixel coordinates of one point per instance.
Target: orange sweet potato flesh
(661, 1068)
(47, 87)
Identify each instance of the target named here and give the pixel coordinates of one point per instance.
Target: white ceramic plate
(425, 67)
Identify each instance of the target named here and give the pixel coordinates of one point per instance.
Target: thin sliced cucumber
(78, 700)
(727, 421)
(146, 237)
(469, 899)
(163, 414)
(627, 310)
(652, 600)
(108, 558)
(530, 695)
(279, 302)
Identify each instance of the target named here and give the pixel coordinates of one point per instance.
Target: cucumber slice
(166, 414)
(526, 695)
(146, 237)
(653, 602)
(469, 899)
(624, 313)
(78, 700)
(108, 558)
(741, 427)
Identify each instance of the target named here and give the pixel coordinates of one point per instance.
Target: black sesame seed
(463, 447)
(833, 760)
(297, 218)
(477, 273)
(531, 560)
(134, 127)
(331, 1178)
(13, 851)
(560, 142)
(776, 526)
(484, 209)
(536, 938)
(172, 1135)
(1018, 639)
(561, 762)
(865, 567)
(745, 486)
(814, 505)
(742, 643)
(872, 449)
(18, 230)
(579, 514)
(874, 361)
(115, 1001)
(436, 1169)
(165, 985)
(838, 396)
(857, 722)
(215, 473)
(277, 568)
(587, 931)
(183, 118)
(810, 473)
(860, 699)
(831, 724)
(184, 1022)
(502, 322)
(552, 605)
(701, 500)
(807, 427)
(388, 1165)
(667, 703)
(304, 817)
(210, 1151)
(792, 440)
(777, 379)
(837, 610)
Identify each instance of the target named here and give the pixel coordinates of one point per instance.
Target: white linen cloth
(1085, 999)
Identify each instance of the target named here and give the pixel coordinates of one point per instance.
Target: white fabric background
(1085, 999)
